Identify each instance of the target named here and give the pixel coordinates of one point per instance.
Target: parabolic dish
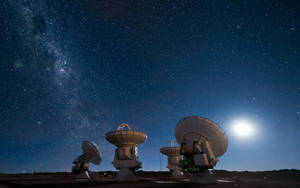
(173, 150)
(122, 138)
(197, 127)
(91, 152)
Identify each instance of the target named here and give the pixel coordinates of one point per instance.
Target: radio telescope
(202, 142)
(91, 154)
(174, 158)
(126, 155)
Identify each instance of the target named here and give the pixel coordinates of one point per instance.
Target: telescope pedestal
(203, 176)
(82, 176)
(80, 170)
(176, 172)
(125, 174)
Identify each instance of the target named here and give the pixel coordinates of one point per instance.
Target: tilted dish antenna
(91, 154)
(202, 142)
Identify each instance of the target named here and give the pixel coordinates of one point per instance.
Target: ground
(226, 179)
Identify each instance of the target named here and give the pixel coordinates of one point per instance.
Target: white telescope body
(203, 154)
(126, 153)
(202, 142)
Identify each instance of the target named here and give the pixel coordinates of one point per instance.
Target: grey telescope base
(82, 176)
(203, 176)
(176, 173)
(125, 175)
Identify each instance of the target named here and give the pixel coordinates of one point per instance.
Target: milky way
(39, 34)
(38, 29)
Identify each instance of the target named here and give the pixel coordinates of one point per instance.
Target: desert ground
(226, 179)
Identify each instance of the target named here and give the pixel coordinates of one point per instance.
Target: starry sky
(75, 70)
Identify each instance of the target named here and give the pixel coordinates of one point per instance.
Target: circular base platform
(126, 175)
(202, 177)
(176, 173)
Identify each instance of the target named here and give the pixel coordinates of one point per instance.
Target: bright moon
(243, 128)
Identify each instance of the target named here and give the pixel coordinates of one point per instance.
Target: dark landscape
(226, 179)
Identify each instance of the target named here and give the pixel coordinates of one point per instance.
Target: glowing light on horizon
(243, 128)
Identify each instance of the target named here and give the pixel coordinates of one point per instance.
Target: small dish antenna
(202, 142)
(91, 154)
(174, 158)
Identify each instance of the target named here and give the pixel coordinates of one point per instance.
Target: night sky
(75, 70)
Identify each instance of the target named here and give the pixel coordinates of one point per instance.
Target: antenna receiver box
(201, 160)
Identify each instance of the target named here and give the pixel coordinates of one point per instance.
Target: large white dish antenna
(199, 128)
(129, 137)
(126, 155)
(91, 152)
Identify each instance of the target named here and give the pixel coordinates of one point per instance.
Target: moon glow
(243, 128)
